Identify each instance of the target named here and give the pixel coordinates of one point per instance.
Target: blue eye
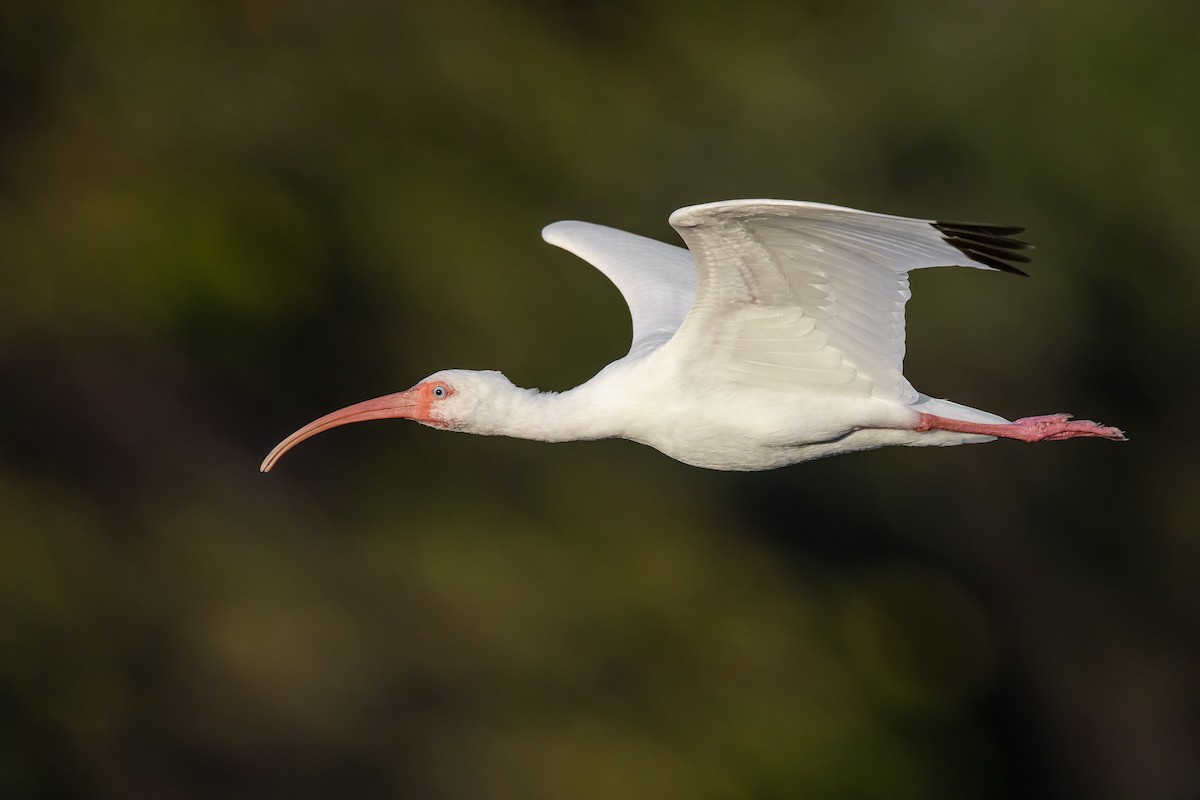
(439, 391)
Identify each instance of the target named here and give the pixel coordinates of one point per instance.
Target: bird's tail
(952, 410)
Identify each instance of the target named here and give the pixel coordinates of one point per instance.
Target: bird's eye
(439, 391)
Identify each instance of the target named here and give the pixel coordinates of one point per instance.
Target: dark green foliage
(219, 220)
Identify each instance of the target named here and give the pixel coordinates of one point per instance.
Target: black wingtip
(990, 245)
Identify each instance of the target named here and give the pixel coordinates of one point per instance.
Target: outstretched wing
(657, 280)
(808, 297)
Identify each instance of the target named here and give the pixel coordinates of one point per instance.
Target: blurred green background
(219, 220)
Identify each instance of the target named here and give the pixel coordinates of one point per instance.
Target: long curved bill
(401, 405)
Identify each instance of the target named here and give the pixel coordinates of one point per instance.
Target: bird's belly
(760, 436)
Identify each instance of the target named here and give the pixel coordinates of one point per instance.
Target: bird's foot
(1049, 427)
(1053, 427)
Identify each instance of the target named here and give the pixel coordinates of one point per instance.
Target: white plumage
(776, 337)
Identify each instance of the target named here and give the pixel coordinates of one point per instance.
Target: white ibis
(776, 337)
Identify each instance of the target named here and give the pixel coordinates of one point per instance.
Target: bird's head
(449, 400)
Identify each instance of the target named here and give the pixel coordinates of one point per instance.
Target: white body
(685, 416)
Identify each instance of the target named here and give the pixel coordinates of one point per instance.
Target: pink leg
(1030, 429)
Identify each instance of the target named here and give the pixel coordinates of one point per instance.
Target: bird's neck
(577, 414)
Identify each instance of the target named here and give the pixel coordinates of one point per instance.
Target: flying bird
(776, 337)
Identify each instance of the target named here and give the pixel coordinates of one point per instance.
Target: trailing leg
(1050, 427)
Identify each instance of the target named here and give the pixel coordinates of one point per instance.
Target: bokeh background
(221, 219)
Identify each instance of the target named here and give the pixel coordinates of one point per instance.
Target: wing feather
(657, 280)
(804, 297)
